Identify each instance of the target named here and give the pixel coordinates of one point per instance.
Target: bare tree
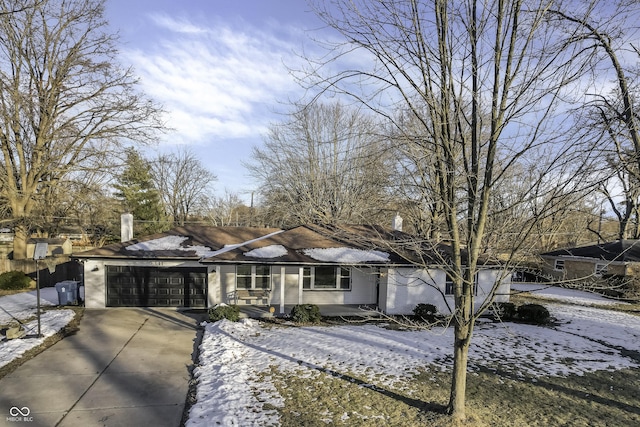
(482, 79)
(65, 104)
(184, 183)
(226, 209)
(613, 117)
(326, 164)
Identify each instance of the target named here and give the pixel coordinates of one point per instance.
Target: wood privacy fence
(51, 271)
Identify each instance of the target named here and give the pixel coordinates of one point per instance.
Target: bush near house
(224, 311)
(426, 312)
(534, 313)
(14, 280)
(505, 311)
(306, 313)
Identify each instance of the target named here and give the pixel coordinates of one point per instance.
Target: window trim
(254, 276)
(309, 276)
(556, 264)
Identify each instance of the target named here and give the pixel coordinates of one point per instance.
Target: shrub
(505, 310)
(14, 280)
(426, 312)
(224, 311)
(534, 313)
(306, 313)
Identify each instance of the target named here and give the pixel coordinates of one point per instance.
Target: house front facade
(199, 267)
(617, 258)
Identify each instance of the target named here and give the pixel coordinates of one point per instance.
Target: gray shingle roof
(619, 250)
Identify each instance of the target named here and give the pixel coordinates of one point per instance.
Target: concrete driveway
(124, 367)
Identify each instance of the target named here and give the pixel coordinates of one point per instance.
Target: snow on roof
(172, 243)
(271, 251)
(346, 255)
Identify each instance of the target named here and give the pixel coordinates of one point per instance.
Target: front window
(243, 277)
(448, 285)
(253, 277)
(326, 278)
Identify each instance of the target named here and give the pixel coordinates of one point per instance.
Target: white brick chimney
(126, 227)
(397, 223)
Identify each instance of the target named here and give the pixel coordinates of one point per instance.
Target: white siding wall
(290, 285)
(214, 294)
(486, 280)
(95, 292)
(406, 287)
(227, 281)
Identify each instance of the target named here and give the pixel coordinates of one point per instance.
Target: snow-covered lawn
(236, 358)
(23, 306)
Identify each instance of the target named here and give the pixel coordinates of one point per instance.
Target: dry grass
(5, 292)
(596, 399)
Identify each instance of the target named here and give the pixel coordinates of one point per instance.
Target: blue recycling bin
(67, 292)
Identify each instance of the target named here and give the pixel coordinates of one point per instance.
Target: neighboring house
(618, 258)
(199, 266)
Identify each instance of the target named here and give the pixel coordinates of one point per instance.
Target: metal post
(40, 252)
(38, 297)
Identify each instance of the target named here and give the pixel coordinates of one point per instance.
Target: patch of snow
(236, 388)
(24, 305)
(271, 251)
(172, 243)
(50, 322)
(562, 294)
(346, 255)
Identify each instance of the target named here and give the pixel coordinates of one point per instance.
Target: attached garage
(138, 286)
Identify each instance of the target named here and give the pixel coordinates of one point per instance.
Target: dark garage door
(156, 286)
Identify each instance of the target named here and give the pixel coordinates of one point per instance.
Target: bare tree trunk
(20, 237)
(457, 397)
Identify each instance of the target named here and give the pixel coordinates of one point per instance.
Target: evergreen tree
(136, 191)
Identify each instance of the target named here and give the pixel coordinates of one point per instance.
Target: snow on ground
(564, 294)
(236, 358)
(23, 306)
(50, 323)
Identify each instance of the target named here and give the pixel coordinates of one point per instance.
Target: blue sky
(219, 68)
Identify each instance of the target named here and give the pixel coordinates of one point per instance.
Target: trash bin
(67, 292)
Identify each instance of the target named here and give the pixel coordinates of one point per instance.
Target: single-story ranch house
(617, 258)
(201, 266)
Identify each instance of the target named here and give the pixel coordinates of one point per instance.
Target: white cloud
(216, 80)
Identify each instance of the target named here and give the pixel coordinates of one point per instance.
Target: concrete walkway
(124, 367)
